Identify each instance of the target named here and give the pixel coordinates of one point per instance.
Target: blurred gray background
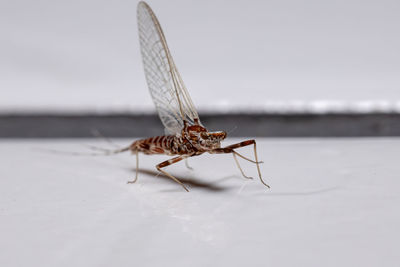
(74, 56)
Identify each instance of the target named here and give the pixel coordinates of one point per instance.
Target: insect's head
(201, 137)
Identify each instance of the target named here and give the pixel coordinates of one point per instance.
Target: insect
(185, 135)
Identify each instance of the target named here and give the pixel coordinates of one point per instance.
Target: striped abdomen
(154, 145)
(165, 144)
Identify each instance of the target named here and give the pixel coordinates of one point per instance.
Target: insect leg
(169, 162)
(187, 165)
(137, 168)
(237, 164)
(229, 149)
(246, 158)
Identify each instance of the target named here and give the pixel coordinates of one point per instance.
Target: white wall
(84, 55)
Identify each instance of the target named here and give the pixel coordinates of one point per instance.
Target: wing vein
(166, 86)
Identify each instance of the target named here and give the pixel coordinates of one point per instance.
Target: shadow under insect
(187, 180)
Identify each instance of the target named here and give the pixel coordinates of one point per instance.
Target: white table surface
(332, 202)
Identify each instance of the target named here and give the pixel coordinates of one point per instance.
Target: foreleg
(230, 149)
(238, 165)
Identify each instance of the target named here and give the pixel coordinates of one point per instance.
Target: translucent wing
(166, 87)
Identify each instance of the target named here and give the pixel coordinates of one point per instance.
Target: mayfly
(185, 135)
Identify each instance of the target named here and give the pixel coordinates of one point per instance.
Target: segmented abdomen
(154, 145)
(165, 144)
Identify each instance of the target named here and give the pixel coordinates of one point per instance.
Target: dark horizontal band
(237, 125)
